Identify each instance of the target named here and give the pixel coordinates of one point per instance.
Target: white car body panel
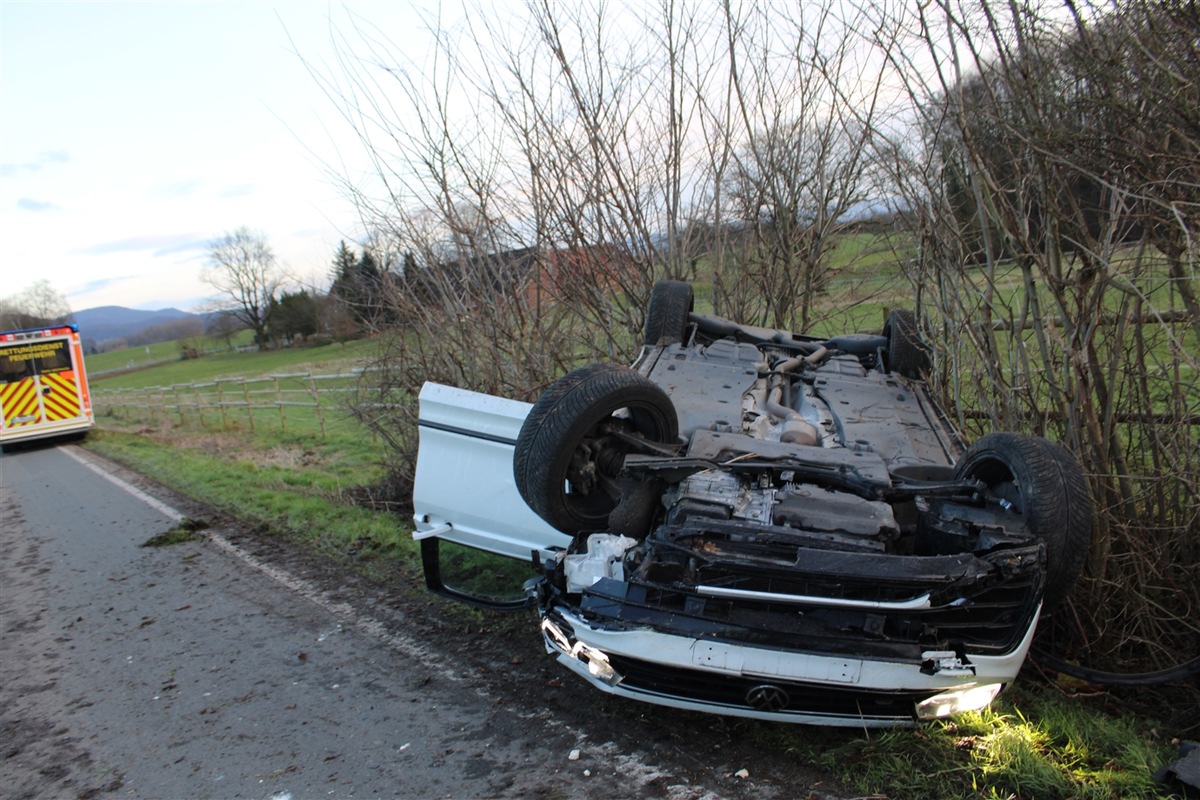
(464, 489)
(741, 661)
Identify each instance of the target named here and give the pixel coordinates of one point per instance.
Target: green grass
(308, 497)
(145, 355)
(289, 470)
(483, 574)
(1031, 743)
(186, 531)
(131, 357)
(223, 400)
(865, 282)
(262, 407)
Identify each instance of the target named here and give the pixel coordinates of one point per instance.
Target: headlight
(596, 660)
(556, 635)
(598, 664)
(972, 698)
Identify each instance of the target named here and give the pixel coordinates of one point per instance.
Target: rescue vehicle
(43, 384)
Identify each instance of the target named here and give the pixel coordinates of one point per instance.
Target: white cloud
(37, 164)
(156, 244)
(29, 204)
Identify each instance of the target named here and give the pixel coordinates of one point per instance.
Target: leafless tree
(803, 111)
(535, 179)
(224, 326)
(241, 266)
(186, 328)
(38, 304)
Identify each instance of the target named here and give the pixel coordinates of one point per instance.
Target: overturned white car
(757, 523)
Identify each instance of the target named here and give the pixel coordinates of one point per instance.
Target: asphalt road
(206, 669)
(183, 671)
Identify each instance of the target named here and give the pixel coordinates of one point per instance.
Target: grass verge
(301, 491)
(1033, 742)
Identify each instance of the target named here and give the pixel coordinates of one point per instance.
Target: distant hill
(116, 322)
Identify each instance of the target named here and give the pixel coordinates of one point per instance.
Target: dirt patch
(393, 495)
(187, 530)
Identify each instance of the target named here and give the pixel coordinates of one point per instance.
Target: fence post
(249, 408)
(279, 405)
(316, 396)
(160, 405)
(199, 407)
(178, 402)
(221, 405)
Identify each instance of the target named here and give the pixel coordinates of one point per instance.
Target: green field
(163, 365)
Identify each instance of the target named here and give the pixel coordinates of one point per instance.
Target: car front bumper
(775, 684)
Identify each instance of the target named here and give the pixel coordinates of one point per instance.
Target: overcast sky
(132, 134)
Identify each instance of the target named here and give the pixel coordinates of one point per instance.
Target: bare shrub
(1054, 195)
(801, 115)
(535, 178)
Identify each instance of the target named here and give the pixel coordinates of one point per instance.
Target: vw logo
(767, 698)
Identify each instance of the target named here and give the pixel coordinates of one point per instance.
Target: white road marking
(157, 505)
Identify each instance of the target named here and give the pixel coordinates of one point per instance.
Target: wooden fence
(235, 401)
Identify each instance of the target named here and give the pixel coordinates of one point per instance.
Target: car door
(464, 490)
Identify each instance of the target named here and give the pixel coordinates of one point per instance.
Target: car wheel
(569, 451)
(1042, 482)
(667, 313)
(906, 354)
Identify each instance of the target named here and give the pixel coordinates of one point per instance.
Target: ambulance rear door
(43, 390)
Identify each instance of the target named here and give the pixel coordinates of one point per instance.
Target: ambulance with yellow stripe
(43, 384)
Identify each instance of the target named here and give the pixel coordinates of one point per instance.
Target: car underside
(763, 524)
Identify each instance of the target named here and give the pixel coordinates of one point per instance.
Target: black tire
(906, 354)
(1044, 484)
(563, 443)
(667, 313)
